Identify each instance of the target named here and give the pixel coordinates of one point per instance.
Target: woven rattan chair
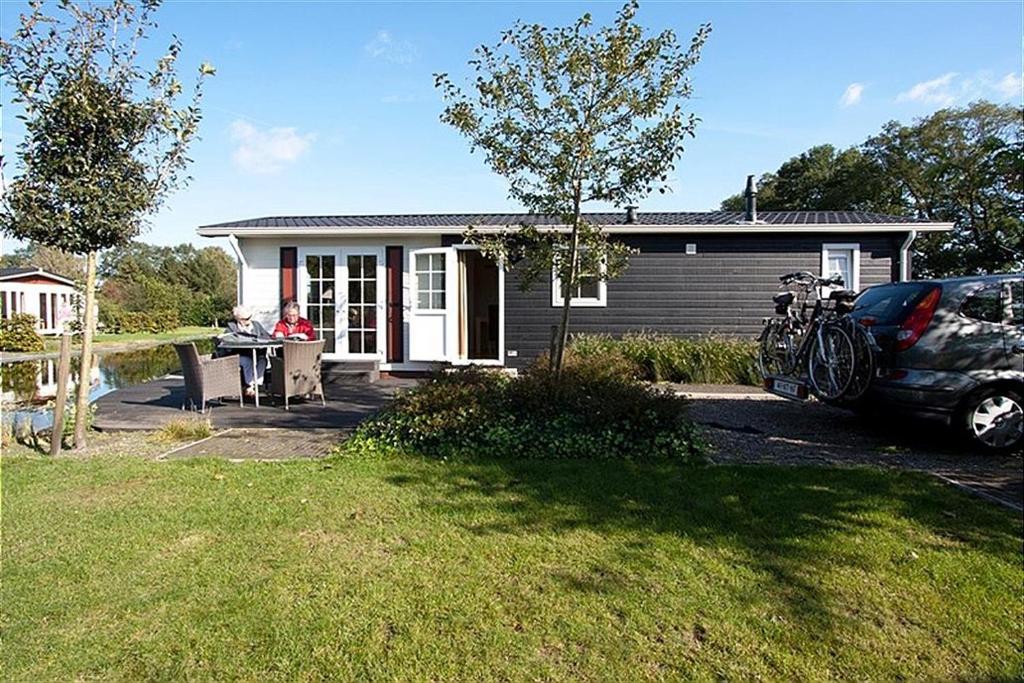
(297, 371)
(208, 378)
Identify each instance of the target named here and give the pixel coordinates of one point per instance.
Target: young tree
(105, 140)
(573, 115)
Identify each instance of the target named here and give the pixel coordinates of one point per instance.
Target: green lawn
(53, 343)
(407, 569)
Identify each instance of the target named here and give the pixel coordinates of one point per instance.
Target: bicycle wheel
(864, 362)
(776, 353)
(768, 360)
(830, 362)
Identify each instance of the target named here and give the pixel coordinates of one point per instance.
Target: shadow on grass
(784, 524)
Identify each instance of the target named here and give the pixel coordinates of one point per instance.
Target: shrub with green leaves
(690, 360)
(18, 333)
(596, 410)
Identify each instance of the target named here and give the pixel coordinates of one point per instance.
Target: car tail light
(917, 322)
(867, 321)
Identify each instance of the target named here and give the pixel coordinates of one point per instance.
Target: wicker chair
(297, 371)
(208, 378)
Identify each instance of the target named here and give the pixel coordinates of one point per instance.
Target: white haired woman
(243, 327)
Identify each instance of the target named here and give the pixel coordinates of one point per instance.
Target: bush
(660, 358)
(597, 410)
(18, 333)
(117, 321)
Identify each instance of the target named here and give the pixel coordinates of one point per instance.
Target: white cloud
(851, 95)
(266, 150)
(384, 46)
(936, 91)
(952, 88)
(1010, 86)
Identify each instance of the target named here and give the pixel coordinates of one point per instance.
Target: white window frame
(601, 301)
(854, 249)
(431, 272)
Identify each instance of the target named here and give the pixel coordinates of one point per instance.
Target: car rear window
(889, 304)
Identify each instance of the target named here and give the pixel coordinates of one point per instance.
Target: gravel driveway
(759, 428)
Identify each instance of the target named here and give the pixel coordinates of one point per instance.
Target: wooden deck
(153, 404)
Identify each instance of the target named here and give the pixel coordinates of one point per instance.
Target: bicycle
(817, 341)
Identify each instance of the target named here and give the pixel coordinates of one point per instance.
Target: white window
(430, 290)
(591, 290)
(842, 260)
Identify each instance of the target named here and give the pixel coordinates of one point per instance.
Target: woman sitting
(243, 327)
(291, 326)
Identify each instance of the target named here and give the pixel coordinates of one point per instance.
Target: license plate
(787, 388)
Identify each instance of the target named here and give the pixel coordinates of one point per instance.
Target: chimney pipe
(751, 197)
(631, 214)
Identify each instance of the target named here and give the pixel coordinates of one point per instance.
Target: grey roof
(11, 272)
(457, 221)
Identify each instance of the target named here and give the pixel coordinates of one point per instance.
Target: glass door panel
(320, 297)
(362, 303)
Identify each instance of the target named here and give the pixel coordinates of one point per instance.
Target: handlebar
(811, 280)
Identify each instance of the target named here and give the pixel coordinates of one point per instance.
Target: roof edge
(254, 231)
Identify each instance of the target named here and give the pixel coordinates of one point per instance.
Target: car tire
(992, 419)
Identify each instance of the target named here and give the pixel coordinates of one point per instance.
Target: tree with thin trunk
(105, 139)
(568, 116)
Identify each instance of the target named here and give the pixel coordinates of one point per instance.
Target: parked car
(952, 350)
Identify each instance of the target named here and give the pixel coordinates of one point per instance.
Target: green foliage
(570, 115)
(185, 429)
(104, 142)
(960, 165)
(133, 322)
(197, 283)
(18, 333)
(594, 410)
(48, 258)
(661, 358)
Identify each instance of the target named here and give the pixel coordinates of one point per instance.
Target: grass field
(53, 343)
(407, 569)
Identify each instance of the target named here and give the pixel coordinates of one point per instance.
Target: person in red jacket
(292, 326)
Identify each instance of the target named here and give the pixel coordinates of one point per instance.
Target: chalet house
(38, 293)
(405, 292)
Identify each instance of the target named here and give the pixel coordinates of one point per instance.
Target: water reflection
(29, 386)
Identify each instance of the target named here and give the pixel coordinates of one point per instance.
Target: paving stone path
(776, 431)
(238, 444)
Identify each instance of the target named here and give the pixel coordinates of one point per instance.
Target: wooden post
(63, 371)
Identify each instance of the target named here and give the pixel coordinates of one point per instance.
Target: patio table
(236, 344)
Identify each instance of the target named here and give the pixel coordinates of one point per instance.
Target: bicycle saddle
(842, 295)
(783, 298)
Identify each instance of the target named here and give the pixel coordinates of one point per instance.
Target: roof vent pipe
(751, 196)
(631, 214)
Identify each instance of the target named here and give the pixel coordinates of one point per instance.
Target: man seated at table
(244, 328)
(292, 326)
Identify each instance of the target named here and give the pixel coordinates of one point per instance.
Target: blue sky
(329, 107)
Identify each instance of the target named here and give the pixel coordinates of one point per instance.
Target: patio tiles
(151, 405)
(240, 444)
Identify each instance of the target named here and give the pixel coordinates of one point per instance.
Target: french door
(344, 297)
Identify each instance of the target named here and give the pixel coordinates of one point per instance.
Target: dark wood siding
(725, 288)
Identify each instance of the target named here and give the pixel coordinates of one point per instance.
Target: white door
(361, 303)
(318, 290)
(432, 317)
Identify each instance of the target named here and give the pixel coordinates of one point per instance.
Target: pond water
(30, 387)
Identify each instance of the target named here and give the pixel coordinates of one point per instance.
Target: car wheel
(994, 419)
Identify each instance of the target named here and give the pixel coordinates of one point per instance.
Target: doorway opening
(479, 307)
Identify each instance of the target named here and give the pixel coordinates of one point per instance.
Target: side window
(983, 305)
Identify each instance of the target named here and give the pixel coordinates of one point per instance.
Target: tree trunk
(563, 333)
(85, 366)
